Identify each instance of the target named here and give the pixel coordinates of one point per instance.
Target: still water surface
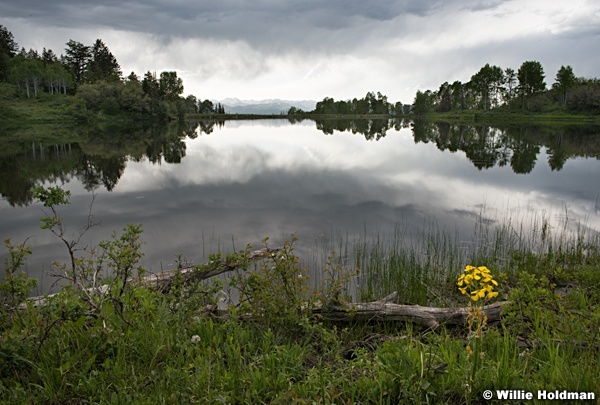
(247, 180)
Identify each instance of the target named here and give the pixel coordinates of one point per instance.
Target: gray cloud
(260, 24)
(396, 46)
(484, 5)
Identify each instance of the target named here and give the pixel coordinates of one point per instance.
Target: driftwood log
(385, 309)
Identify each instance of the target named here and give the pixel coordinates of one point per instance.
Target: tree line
(92, 74)
(506, 89)
(370, 104)
(490, 88)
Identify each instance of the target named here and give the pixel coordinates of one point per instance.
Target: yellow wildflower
(477, 283)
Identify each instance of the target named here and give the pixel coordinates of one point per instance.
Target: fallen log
(387, 310)
(163, 281)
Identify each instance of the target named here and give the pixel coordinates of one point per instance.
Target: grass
(17, 111)
(504, 116)
(424, 266)
(141, 346)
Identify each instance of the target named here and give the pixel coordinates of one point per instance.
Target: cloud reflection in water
(250, 180)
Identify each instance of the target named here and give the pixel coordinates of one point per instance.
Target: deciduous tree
(510, 80)
(170, 85)
(531, 79)
(423, 102)
(487, 83)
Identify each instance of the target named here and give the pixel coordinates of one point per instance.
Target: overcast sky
(310, 49)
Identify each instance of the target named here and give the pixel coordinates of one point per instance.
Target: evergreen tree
(8, 49)
(77, 58)
(48, 57)
(150, 85)
(133, 77)
(8, 46)
(103, 65)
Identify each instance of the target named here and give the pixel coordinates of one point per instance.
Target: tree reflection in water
(98, 157)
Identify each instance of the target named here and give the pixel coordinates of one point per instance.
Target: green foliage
(8, 46)
(170, 86)
(585, 97)
(423, 103)
(16, 286)
(93, 74)
(505, 91)
(531, 78)
(129, 98)
(103, 65)
(564, 82)
(488, 84)
(52, 196)
(370, 104)
(277, 292)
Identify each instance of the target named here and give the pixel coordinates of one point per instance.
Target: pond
(199, 187)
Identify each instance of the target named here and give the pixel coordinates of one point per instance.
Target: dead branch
(163, 281)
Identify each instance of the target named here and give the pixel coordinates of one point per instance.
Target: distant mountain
(272, 106)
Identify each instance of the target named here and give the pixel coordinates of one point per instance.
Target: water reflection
(200, 186)
(486, 146)
(372, 129)
(100, 160)
(97, 158)
(515, 145)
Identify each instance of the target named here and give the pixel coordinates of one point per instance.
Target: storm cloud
(312, 49)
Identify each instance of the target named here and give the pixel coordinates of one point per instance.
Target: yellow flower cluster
(477, 283)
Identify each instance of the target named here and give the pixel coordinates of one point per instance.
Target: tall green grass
(423, 265)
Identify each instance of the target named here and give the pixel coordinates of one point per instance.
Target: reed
(422, 265)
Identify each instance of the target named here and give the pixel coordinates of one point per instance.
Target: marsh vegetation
(131, 343)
